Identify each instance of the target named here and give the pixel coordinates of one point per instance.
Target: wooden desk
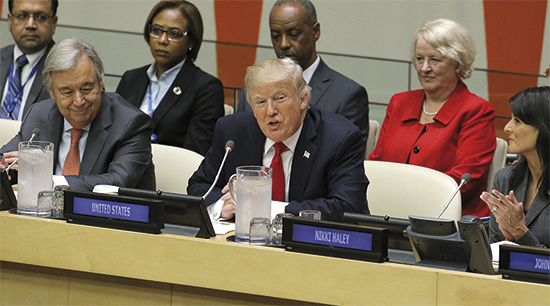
(48, 261)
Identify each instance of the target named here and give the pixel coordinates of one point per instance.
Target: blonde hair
(273, 71)
(452, 40)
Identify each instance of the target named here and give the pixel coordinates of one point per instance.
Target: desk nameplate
(114, 211)
(335, 239)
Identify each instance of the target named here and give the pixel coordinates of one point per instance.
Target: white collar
(170, 73)
(32, 58)
(308, 73)
(290, 143)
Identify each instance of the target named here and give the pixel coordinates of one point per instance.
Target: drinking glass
(59, 208)
(260, 231)
(47, 200)
(277, 227)
(310, 214)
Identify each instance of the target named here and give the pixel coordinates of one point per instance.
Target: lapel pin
(177, 90)
(306, 154)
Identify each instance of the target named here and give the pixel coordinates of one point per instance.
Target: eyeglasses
(39, 18)
(173, 34)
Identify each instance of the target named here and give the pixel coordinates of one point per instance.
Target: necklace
(425, 112)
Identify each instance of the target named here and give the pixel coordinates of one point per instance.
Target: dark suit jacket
(336, 93)
(537, 218)
(330, 178)
(186, 120)
(118, 149)
(38, 91)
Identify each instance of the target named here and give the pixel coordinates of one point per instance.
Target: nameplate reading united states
(114, 211)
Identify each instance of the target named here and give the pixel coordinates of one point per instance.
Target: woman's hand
(508, 212)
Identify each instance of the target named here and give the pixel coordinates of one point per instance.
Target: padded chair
(498, 162)
(174, 166)
(228, 109)
(401, 190)
(374, 132)
(8, 129)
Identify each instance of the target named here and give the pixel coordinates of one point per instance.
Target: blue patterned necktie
(12, 103)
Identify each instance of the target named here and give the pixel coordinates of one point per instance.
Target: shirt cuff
(215, 210)
(59, 180)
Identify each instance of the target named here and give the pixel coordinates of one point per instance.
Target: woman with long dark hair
(520, 204)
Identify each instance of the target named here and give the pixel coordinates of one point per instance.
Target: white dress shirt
(308, 73)
(158, 86)
(25, 73)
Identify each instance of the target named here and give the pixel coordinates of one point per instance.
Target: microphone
(228, 148)
(35, 133)
(463, 180)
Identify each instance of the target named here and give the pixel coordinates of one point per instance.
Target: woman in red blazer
(442, 126)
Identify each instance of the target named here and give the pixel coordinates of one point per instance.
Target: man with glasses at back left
(32, 25)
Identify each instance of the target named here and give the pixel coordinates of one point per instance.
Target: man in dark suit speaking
(99, 137)
(322, 153)
(32, 25)
(294, 32)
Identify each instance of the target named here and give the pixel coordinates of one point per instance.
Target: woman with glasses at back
(183, 100)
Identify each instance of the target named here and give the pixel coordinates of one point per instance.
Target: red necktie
(72, 161)
(278, 177)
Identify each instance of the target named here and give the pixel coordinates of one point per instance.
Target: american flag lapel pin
(306, 154)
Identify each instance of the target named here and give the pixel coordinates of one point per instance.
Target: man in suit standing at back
(294, 32)
(32, 24)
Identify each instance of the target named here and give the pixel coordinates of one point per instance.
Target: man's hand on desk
(228, 209)
(8, 158)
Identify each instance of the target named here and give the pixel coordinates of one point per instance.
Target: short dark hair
(309, 9)
(55, 4)
(190, 12)
(532, 106)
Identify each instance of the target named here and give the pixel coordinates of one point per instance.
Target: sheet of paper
(495, 249)
(222, 227)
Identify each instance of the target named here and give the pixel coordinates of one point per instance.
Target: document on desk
(495, 249)
(222, 227)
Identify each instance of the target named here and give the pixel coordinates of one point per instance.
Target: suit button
(416, 149)
(425, 129)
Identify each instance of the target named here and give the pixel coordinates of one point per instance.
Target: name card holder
(525, 263)
(335, 239)
(7, 196)
(114, 211)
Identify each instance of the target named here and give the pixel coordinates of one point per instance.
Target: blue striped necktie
(12, 103)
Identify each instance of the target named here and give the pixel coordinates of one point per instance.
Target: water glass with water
(310, 214)
(58, 210)
(260, 231)
(47, 200)
(277, 228)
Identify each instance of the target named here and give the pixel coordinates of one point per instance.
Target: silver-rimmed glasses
(173, 34)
